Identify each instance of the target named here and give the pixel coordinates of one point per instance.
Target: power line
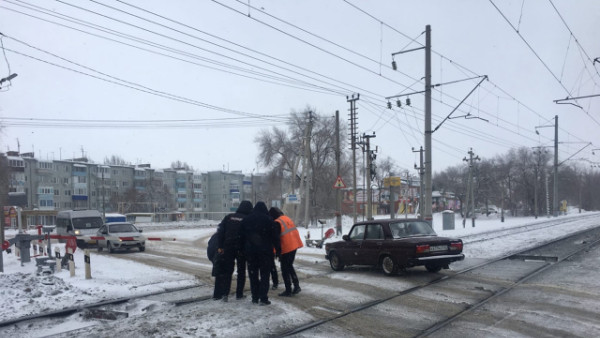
(538, 56)
(456, 64)
(576, 40)
(149, 90)
(282, 80)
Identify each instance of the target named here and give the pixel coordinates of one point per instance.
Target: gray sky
(236, 67)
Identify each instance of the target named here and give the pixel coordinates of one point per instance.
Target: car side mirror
(140, 230)
(104, 232)
(346, 238)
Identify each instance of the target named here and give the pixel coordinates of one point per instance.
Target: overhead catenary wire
(286, 81)
(456, 64)
(380, 96)
(539, 57)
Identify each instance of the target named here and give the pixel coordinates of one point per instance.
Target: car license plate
(438, 248)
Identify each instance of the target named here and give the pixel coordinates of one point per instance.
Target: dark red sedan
(394, 244)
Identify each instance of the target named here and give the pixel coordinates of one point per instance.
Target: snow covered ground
(24, 292)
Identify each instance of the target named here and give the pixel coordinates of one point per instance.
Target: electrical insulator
(408, 101)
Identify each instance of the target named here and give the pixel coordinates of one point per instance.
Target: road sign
(393, 181)
(339, 184)
(293, 199)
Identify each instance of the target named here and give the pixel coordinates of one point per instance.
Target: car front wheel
(111, 249)
(389, 266)
(142, 248)
(336, 262)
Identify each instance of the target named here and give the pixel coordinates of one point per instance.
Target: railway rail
(519, 266)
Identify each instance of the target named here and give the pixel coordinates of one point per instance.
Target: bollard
(88, 269)
(71, 262)
(57, 256)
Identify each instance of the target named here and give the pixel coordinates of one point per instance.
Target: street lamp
(8, 78)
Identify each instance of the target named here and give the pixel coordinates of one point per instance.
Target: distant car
(491, 209)
(394, 244)
(120, 235)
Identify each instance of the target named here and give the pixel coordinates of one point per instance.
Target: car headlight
(77, 232)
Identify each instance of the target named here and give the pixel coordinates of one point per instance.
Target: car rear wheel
(336, 262)
(433, 267)
(389, 266)
(142, 248)
(111, 249)
(99, 248)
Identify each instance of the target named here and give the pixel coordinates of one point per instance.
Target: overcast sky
(155, 82)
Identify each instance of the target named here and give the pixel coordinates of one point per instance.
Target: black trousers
(224, 276)
(259, 269)
(274, 276)
(287, 270)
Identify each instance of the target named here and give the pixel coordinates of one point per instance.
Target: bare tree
(115, 160)
(281, 151)
(180, 165)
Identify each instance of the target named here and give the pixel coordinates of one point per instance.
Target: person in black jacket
(211, 252)
(259, 239)
(229, 250)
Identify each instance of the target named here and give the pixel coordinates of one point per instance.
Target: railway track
(373, 299)
(473, 288)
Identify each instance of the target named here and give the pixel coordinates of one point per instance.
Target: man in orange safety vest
(290, 242)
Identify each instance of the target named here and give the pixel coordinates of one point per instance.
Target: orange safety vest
(290, 238)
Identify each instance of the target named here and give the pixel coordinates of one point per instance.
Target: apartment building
(52, 185)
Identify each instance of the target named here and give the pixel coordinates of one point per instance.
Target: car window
(374, 231)
(357, 232)
(415, 228)
(122, 228)
(420, 228)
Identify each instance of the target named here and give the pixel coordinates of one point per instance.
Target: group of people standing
(254, 236)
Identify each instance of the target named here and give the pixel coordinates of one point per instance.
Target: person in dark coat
(229, 250)
(211, 252)
(259, 239)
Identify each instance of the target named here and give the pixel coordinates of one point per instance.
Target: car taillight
(422, 248)
(456, 246)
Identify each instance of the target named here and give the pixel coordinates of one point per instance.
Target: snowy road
(327, 294)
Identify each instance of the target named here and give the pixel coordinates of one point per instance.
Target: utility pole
(426, 193)
(368, 172)
(420, 168)
(392, 198)
(428, 163)
(547, 196)
(306, 168)
(555, 193)
(407, 197)
(338, 194)
(353, 125)
(103, 194)
(555, 200)
(470, 189)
